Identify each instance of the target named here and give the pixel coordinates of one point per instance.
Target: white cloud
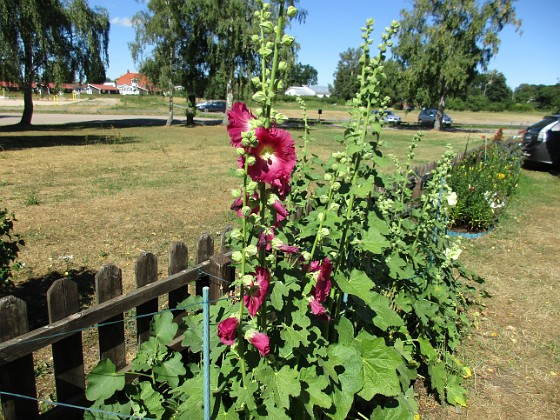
(126, 22)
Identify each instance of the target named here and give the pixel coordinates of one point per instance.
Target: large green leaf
(315, 385)
(170, 370)
(359, 284)
(349, 382)
(104, 381)
(380, 363)
(152, 400)
(245, 395)
(278, 385)
(373, 241)
(164, 328)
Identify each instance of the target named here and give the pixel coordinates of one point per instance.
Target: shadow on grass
(542, 167)
(34, 293)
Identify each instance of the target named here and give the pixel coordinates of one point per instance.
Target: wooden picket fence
(63, 334)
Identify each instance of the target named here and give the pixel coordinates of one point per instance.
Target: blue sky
(333, 26)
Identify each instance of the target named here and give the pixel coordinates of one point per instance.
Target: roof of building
(141, 80)
(99, 86)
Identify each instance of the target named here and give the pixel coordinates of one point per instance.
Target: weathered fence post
(146, 272)
(63, 300)
(204, 250)
(221, 276)
(178, 261)
(108, 284)
(17, 377)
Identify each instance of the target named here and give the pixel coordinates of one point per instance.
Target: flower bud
(240, 172)
(235, 193)
(336, 186)
(267, 27)
(236, 256)
(327, 177)
(324, 232)
(246, 211)
(292, 11)
(251, 160)
(240, 151)
(321, 217)
(324, 199)
(306, 256)
(251, 251)
(288, 40)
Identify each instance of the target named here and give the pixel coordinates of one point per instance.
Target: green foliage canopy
(442, 43)
(51, 41)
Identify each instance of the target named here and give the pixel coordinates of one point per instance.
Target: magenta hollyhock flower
(265, 240)
(227, 330)
(281, 186)
(256, 291)
(281, 212)
(275, 156)
(323, 286)
(319, 310)
(260, 341)
(288, 249)
(239, 122)
(252, 202)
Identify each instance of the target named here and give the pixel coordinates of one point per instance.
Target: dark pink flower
(288, 249)
(281, 186)
(256, 291)
(319, 310)
(264, 241)
(239, 117)
(281, 212)
(252, 202)
(260, 341)
(275, 156)
(227, 330)
(323, 286)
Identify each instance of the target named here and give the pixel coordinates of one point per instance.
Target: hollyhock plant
(227, 330)
(260, 341)
(275, 156)
(323, 286)
(239, 122)
(256, 291)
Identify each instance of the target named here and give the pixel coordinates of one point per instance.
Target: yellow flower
(501, 175)
(467, 372)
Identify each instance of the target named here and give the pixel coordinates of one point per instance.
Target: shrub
(9, 246)
(483, 181)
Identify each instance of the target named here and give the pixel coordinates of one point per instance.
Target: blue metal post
(206, 350)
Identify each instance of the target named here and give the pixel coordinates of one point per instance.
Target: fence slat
(178, 261)
(221, 276)
(62, 301)
(204, 250)
(146, 272)
(17, 377)
(108, 285)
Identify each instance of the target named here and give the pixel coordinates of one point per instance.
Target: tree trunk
(229, 99)
(170, 114)
(441, 107)
(27, 87)
(190, 111)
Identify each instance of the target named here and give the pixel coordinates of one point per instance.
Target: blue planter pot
(468, 235)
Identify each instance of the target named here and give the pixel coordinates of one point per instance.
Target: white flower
(452, 199)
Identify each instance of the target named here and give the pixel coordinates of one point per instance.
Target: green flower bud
(324, 199)
(240, 151)
(282, 66)
(251, 160)
(236, 256)
(336, 186)
(324, 232)
(251, 251)
(240, 172)
(235, 193)
(288, 40)
(327, 177)
(267, 27)
(259, 97)
(246, 211)
(292, 11)
(305, 255)
(235, 233)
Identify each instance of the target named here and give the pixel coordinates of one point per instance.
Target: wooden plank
(221, 276)
(204, 250)
(178, 261)
(63, 300)
(18, 376)
(146, 271)
(108, 285)
(27, 343)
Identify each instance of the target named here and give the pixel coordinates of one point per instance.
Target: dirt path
(515, 352)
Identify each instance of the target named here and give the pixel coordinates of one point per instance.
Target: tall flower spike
(275, 156)
(256, 291)
(239, 122)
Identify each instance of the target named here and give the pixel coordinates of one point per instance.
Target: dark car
(212, 106)
(541, 141)
(427, 117)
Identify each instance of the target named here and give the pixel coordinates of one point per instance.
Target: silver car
(541, 141)
(427, 117)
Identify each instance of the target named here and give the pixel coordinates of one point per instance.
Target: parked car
(427, 117)
(541, 141)
(212, 106)
(389, 117)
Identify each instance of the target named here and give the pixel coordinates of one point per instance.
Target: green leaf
(374, 241)
(380, 364)
(164, 328)
(438, 377)
(152, 400)
(349, 382)
(104, 381)
(193, 335)
(315, 385)
(359, 284)
(345, 331)
(279, 385)
(245, 396)
(385, 315)
(170, 370)
(428, 350)
(456, 394)
(293, 338)
(279, 292)
(192, 407)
